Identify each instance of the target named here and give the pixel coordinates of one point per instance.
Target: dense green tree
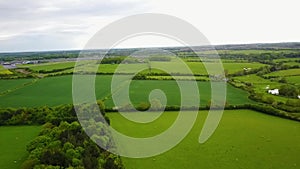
(289, 91)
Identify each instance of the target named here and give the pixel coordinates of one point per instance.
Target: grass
(283, 73)
(6, 85)
(50, 66)
(244, 139)
(13, 144)
(259, 85)
(140, 90)
(50, 91)
(57, 90)
(175, 66)
(4, 71)
(293, 79)
(199, 67)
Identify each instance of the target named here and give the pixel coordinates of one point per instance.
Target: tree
(289, 91)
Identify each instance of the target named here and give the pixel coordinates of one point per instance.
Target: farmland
(8, 85)
(4, 71)
(49, 66)
(13, 144)
(283, 73)
(54, 91)
(258, 129)
(175, 66)
(242, 140)
(293, 79)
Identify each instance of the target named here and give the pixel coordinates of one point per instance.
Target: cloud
(57, 24)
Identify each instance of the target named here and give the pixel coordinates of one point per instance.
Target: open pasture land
(57, 90)
(261, 85)
(50, 91)
(7, 85)
(13, 144)
(283, 73)
(198, 68)
(244, 139)
(141, 89)
(258, 51)
(293, 80)
(175, 66)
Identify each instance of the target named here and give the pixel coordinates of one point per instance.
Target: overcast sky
(31, 25)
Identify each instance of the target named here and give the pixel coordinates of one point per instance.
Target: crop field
(49, 91)
(7, 85)
(58, 90)
(13, 144)
(283, 73)
(242, 140)
(4, 71)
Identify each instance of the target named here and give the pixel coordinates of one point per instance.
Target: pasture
(175, 66)
(13, 144)
(260, 85)
(293, 79)
(7, 85)
(283, 73)
(242, 140)
(57, 90)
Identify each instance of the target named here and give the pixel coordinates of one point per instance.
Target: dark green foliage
(289, 91)
(119, 60)
(67, 145)
(160, 58)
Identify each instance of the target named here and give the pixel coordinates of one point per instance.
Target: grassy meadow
(242, 140)
(57, 90)
(13, 141)
(283, 73)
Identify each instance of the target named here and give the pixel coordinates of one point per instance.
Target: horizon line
(123, 48)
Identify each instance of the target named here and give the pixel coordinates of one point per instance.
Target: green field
(175, 66)
(4, 71)
(260, 85)
(49, 91)
(57, 90)
(6, 85)
(13, 144)
(140, 90)
(293, 79)
(283, 73)
(49, 66)
(242, 140)
(198, 68)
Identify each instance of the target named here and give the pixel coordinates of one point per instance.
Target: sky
(31, 25)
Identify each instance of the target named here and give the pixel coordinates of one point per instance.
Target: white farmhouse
(274, 91)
